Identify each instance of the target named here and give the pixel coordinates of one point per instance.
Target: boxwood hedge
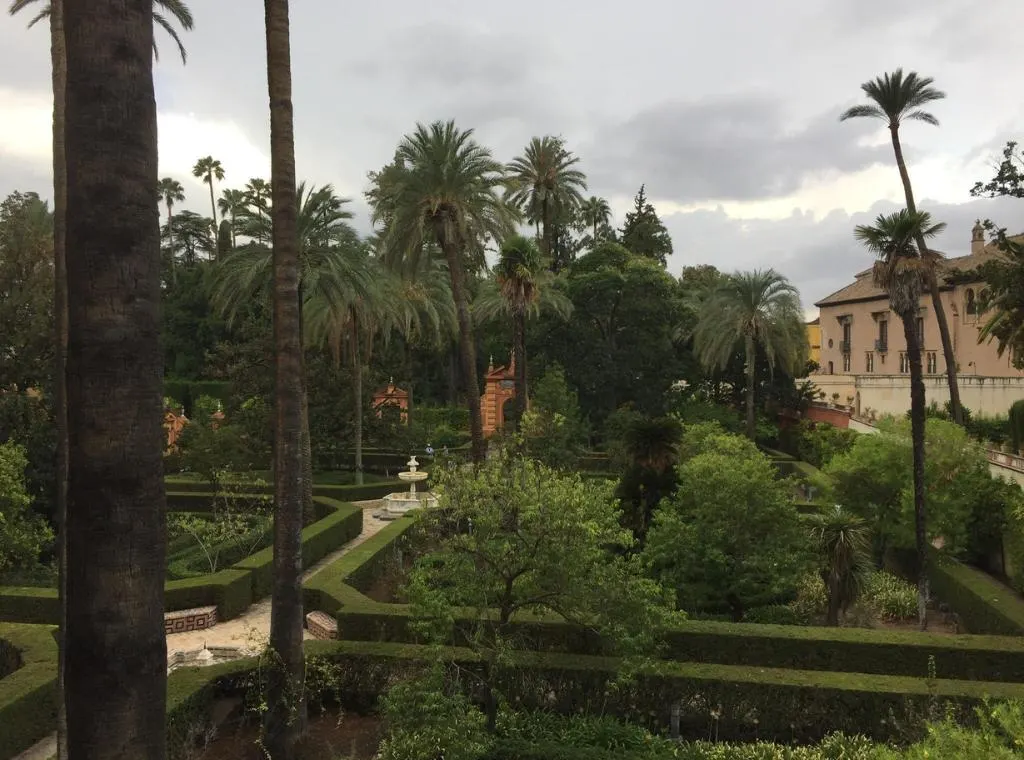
(232, 590)
(28, 711)
(983, 604)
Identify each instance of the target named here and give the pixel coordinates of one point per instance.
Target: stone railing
(196, 619)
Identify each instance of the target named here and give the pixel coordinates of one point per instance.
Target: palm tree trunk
(308, 510)
(285, 718)
(213, 204)
(917, 422)
(58, 60)
(357, 393)
(116, 666)
(546, 218)
(519, 350)
(955, 406)
(751, 353)
(467, 347)
(832, 614)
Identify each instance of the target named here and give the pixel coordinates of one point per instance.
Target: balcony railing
(881, 346)
(844, 346)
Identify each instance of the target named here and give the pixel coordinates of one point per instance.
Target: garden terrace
(231, 590)
(339, 589)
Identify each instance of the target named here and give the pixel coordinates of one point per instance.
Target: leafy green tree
(730, 537)
(209, 170)
(643, 233)
(521, 287)
(27, 420)
(23, 535)
(210, 446)
(759, 309)
(536, 542)
(652, 450)
(443, 190)
(543, 184)
(552, 429)
(191, 326)
(26, 292)
(843, 544)
(896, 98)
(192, 241)
(900, 271)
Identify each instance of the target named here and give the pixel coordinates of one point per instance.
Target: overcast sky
(727, 111)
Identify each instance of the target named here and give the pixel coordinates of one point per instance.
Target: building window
(831, 368)
(931, 362)
(920, 331)
(846, 362)
(869, 362)
(904, 363)
(883, 335)
(971, 306)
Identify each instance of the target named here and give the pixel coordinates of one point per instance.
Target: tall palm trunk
(467, 347)
(545, 211)
(116, 669)
(519, 351)
(357, 393)
(751, 352)
(285, 718)
(948, 354)
(308, 510)
(213, 204)
(59, 63)
(917, 422)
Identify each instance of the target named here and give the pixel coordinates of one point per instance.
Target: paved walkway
(251, 630)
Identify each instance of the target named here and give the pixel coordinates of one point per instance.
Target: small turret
(977, 238)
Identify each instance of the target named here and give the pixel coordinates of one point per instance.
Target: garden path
(251, 630)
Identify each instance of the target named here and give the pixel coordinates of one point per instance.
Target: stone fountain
(398, 504)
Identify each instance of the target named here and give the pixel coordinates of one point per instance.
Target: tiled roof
(864, 288)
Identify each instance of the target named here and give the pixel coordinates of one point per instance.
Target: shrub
(28, 709)
(890, 597)
(773, 614)
(983, 604)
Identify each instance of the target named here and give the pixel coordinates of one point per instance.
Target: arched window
(971, 306)
(831, 371)
(983, 301)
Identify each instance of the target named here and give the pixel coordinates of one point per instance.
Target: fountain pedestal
(398, 504)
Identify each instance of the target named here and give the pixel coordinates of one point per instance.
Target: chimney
(977, 238)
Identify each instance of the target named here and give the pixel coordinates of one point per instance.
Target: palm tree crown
(175, 8)
(209, 169)
(895, 98)
(595, 213)
(171, 192)
(899, 270)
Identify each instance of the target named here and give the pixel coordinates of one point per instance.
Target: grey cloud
(818, 255)
(737, 148)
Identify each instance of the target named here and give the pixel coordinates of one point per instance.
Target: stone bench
(195, 619)
(321, 625)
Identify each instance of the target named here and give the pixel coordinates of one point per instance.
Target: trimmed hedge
(764, 703)
(185, 495)
(232, 590)
(338, 588)
(28, 709)
(984, 604)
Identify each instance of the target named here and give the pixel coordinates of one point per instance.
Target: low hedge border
(232, 590)
(738, 702)
(195, 496)
(28, 710)
(338, 588)
(983, 604)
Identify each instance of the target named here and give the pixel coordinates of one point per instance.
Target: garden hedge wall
(232, 590)
(185, 495)
(983, 604)
(338, 588)
(28, 709)
(734, 702)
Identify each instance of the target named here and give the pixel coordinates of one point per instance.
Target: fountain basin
(202, 657)
(398, 504)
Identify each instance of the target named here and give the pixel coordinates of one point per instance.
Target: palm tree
(257, 193)
(521, 288)
(351, 305)
(760, 310)
(595, 213)
(895, 98)
(171, 192)
(652, 446)
(116, 505)
(232, 204)
(285, 718)
(543, 180)
(843, 542)
(901, 272)
(443, 189)
(209, 169)
(322, 228)
(54, 11)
